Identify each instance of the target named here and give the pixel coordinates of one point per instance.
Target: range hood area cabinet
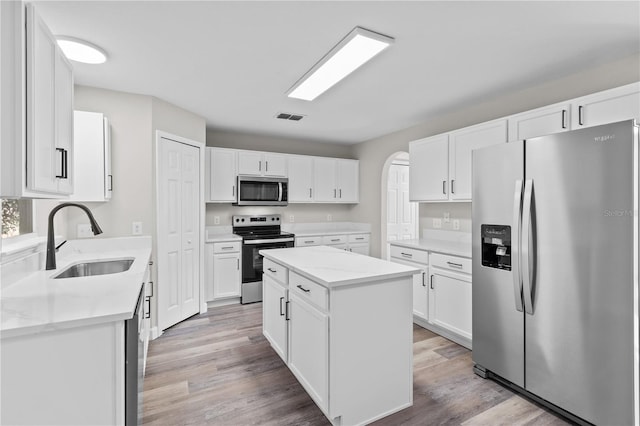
(92, 137)
(37, 107)
(440, 166)
(311, 179)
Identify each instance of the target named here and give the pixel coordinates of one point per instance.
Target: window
(17, 217)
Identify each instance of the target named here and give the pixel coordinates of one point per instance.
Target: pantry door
(179, 211)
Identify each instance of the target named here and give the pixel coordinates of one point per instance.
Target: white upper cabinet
(261, 163)
(539, 122)
(428, 168)
(440, 166)
(92, 153)
(461, 144)
(621, 103)
(336, 180)
(221, 175)
(300, 178)
(37, 107)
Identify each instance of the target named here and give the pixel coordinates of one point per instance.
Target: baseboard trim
(443, 332)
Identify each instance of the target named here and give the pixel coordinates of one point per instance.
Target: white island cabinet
(342, 322)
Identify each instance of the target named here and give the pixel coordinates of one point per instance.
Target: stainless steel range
(258, 233)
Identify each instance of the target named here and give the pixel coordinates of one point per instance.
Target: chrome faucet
(51, 244)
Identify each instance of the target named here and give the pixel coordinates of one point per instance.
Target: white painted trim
(223, 302)
(156, 330)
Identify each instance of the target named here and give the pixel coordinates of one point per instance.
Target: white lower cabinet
(223, 270)
(450, 295)
(417, 259)
(309, 349)
(275, 314)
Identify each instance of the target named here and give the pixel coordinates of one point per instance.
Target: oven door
(252, 260)
(257, 191)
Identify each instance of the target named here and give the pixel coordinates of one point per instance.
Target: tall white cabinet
(220, 177)
(37, 107)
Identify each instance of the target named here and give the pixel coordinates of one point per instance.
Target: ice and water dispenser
(496, 246)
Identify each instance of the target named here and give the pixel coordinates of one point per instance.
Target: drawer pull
(361, 238)
(271, 270)
(407, 254)
(303, 289)
(455, 265)
(309, 242)
(335, 240)
(227, 248)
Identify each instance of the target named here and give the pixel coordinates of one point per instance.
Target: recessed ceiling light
(81, 51)
(358, 47)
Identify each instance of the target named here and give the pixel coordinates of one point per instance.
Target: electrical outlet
(456, 224)
(292, 219)
(329, 218)
(136, 228)
(84, 230)
(216, 220)
(437, 222)
(447, 217)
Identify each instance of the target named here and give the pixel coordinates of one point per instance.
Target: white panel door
(450, 302)
(348, 180)
(226, 275)
(64, 119)
(401, 213)
(274, 319)
(221, 173)
(610, 106)
(179, 232)
(275, 165)
(250, 163)
(429, 169)
(540, 122)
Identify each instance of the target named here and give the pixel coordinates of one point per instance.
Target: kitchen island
(342, 322)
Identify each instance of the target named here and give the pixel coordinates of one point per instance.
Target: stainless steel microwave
(262, 191)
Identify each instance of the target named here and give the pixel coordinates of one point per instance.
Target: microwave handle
(279, 191)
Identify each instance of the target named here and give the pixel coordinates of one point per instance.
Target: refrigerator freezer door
(498, 326)
(580, 337)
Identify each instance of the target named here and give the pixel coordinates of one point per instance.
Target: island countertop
(332, 267)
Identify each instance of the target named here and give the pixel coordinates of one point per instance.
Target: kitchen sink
(98, 267)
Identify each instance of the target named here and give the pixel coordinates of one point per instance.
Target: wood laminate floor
(218, 369)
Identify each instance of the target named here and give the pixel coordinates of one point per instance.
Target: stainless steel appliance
(134, 364)
(262, 191)
(258, 233)
(555, 270)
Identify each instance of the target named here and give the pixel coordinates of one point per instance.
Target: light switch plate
(329, 218)
(447, 217)
(456, 224)
(292, 219)
(136, 228)
(216, 220)
(84, 230)
(437, 223)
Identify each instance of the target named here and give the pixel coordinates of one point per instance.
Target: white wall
(373, 154)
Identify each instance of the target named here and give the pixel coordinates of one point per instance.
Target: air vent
(288, 116)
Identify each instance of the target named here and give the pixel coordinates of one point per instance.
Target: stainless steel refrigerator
(555, 270)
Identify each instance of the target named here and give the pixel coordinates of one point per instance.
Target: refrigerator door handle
(524, 248)
(515, 244)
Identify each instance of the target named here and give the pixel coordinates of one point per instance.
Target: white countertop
(220, 234)
(446, 242)
(38, 303)
(326, 228)
(333, 267)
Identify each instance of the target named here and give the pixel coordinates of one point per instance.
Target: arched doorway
(399, 216)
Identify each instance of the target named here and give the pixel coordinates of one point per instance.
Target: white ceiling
(232, 62)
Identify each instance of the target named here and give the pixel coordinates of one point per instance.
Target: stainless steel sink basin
(98, 267)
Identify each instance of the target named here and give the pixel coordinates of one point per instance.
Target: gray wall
(300, 212)
(374, 153)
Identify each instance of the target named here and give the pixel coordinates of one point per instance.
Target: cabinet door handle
(233, 191)
(564, 118)
(63, 163)
(110, 183)
(238, 260)
(303, 289)
(455, 265)
(431, 282)
(334, 193)
(147, 314)
(281, 300)
(340, 191)
(452, 191)
(259, 166)
(424, 284)
(580, 115)
(266, 166)
(286, 311)
(444, 184)
(309, 192)
(271, 270)
(409, 255)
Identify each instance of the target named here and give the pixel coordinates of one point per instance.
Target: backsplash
(457, 211)
(302, 213)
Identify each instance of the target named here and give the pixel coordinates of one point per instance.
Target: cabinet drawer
(307, 289)
(451, 263)
(308, 241)
(334, 239)
(275, 270)
(359, 238)
(413, 255)
(229, 247)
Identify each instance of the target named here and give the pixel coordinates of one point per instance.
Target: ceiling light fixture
(81, 51)
(353, 51)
